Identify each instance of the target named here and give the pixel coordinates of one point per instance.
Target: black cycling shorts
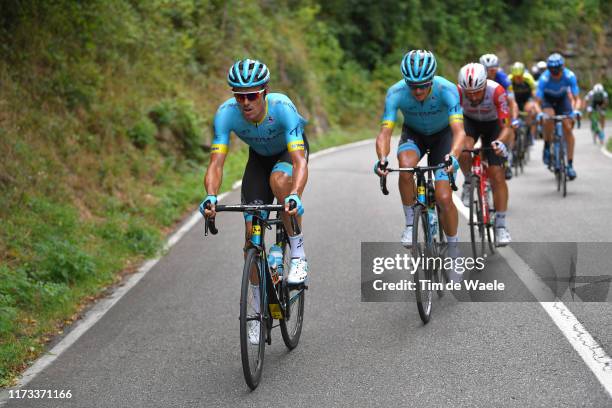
(256, 178)
(489, 131)
(439, 145)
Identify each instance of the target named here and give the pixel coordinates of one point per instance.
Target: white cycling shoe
(502, 236)
(298, 271)
(407, 237)
(253, 332)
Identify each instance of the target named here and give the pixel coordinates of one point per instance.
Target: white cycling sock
(297, 246)
(500, 219)
(409, 213)
(256, 300)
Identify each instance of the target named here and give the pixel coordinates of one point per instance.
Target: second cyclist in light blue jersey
(429, 116)
(433, 120)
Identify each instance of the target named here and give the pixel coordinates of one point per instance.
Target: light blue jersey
(282, 127)
(441, 107)
(552, 88)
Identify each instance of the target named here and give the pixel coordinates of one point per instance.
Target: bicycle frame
(480, 168)
(260, 223)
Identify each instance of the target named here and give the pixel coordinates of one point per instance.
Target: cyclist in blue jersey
(495, 73)
(558, 94)
(433, 119)
(278, 151)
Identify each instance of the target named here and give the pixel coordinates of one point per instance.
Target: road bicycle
(520, 151)
(596, 130)
(428, 240)
(558, 161)
(265, 294)
(482, 208)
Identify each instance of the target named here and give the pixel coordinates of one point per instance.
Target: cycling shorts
(561, 106)
(256, 178)
(489, 131)
(439, 145)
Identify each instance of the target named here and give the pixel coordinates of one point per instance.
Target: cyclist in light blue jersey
(558, 94)
(278, 151)
(433, 119)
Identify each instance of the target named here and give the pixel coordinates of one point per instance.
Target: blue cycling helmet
(247, 73)
(555, 60)
(418, 66)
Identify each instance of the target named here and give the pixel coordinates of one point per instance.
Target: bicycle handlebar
(417, 169)
(557, 118)
(209, 222)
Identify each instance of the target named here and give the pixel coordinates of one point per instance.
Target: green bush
(142, 239)
(143, 133)
(180, 116)
(61, 261)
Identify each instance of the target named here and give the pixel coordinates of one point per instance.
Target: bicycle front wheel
(252, 321)
(422, 246)
(476, 221)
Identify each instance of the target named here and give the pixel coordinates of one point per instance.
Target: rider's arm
(300, 172)
(575, 92)
(500, 99)
(383, 140)
(455, 120)
(214, 173)
(218, 151)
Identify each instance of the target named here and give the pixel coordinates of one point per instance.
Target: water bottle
(489, 195)
(275, 258)
(433, 221)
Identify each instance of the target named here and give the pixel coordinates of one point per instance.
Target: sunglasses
(555, 70)
(251, 96)
(423, 85)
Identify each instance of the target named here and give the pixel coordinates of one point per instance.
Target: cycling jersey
(502, 79)
(440, 108)
(281, 129)
(596, 98)
(524, 90)
(550, 88)
(494, 105)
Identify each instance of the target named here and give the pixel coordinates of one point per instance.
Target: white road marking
(591, 352)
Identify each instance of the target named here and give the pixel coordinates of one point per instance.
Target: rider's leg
(281, 183)
(568, 124)
(547, 130)
(449, 218)
(407, 157)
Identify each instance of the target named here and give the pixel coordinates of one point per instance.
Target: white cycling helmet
(473, 77)
(489, 60)
(541, 66)
(598, 88)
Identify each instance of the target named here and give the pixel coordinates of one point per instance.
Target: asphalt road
(172, 341)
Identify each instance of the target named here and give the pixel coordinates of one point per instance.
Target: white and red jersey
(494, 105)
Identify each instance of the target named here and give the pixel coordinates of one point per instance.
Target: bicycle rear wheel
(292, 298)
(476, 219)
(252, 307)
(422, 246)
